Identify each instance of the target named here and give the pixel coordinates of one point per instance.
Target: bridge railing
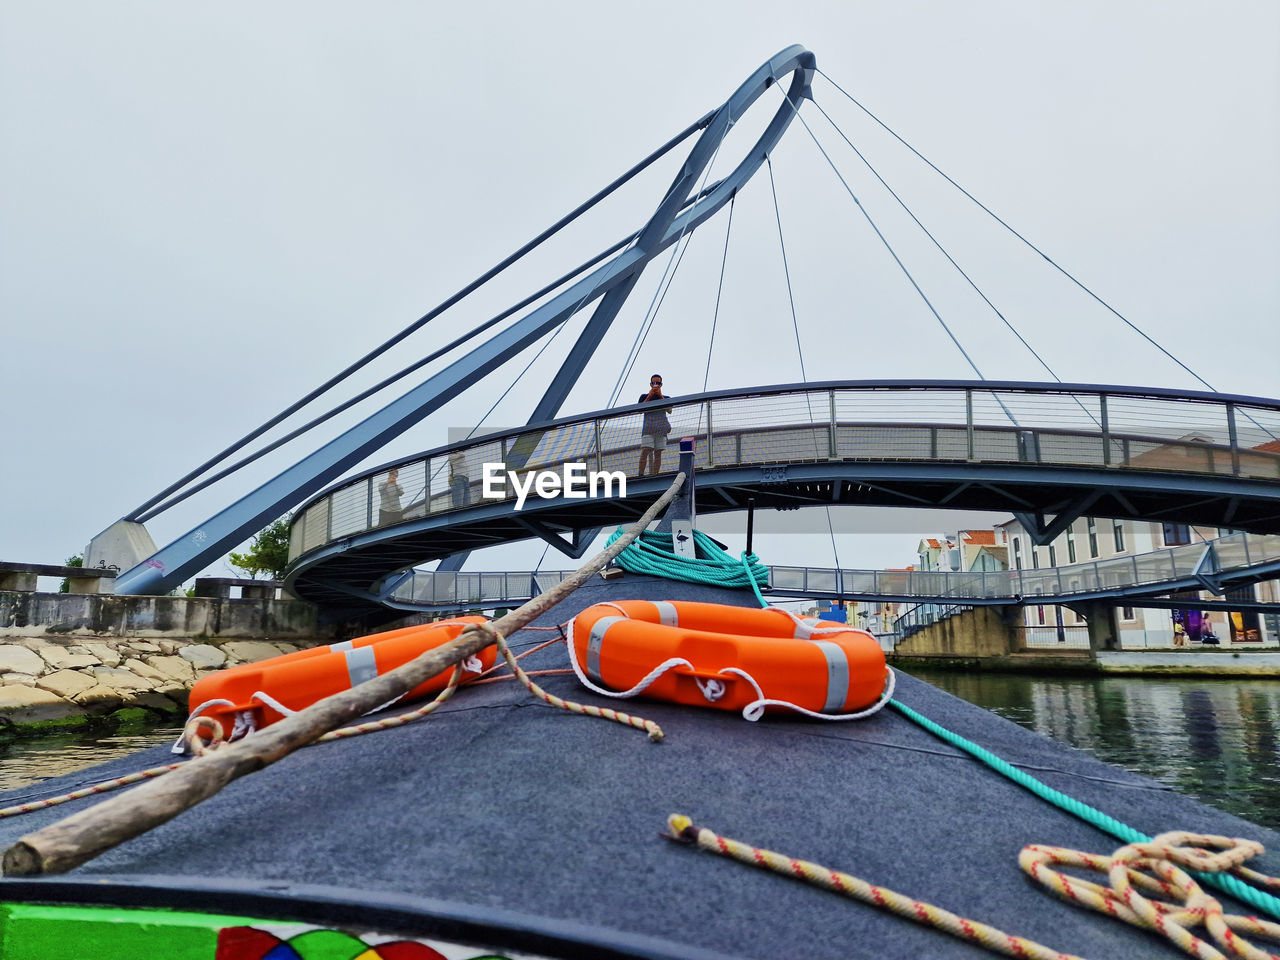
(1236, 552)
(1028, 424)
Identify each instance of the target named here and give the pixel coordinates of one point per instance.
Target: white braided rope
(754, 710)
(635, 691)
(180, 745)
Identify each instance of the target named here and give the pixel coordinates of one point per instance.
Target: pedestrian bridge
(1046, 452)
(1221, 564)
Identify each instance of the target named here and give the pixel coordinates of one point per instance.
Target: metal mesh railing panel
(1167, 418)
(350, 510)
(1264, 466)
(886, 443)
(785, 445)
(749, 413)
(1258, 427)
(1154, 567)
(295, 538)
(996, 445)
(786, 578)
(900, 406)
(1071, 449)
(1038, 411)
(822, 579)
(861, 581)
(1235, 551)
(315, 525)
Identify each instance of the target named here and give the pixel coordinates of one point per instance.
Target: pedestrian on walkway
(654, 429)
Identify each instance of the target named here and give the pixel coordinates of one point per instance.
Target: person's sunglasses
(655, 383)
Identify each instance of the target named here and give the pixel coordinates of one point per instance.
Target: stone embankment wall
(66, 657)
(60, 678)
(27, 614)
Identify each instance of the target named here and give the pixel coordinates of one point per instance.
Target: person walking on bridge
(389, 494)
(654, 430)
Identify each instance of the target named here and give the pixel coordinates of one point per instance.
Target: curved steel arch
(611, 283)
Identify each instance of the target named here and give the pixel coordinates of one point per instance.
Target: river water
(1216, 740)
(26, 761)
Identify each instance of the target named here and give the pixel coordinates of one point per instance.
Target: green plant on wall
(76, 561)
(268, 553)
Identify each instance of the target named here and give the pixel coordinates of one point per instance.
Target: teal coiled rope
(651, 553)
(1122, 831)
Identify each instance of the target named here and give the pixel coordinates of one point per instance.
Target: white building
(1090, 539)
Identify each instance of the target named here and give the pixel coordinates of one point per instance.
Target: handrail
(1242, 552)
(1047, 388)
(1142, 430)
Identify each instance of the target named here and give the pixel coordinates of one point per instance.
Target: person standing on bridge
(389, 494)
(654, 430)
(459, 479)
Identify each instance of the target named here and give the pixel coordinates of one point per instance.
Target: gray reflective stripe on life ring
(595, 642)
(341, 645)
(667, 614)
(837, 674)
(805, 627)
(361, 665)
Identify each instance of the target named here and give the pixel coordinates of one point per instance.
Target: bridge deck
(1039, 448)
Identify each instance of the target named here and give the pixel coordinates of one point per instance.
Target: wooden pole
(79, 838)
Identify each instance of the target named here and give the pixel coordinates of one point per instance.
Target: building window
(1118, 532)
(1176, 534)
(1053, 556)
(1017, 554)
(1035, 557)
(1071, 545)
(1093, 538)
(1040, 614)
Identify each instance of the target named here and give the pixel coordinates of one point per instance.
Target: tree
(268, 553)
(76, 561)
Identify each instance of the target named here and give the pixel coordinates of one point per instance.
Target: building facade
(1089, 539)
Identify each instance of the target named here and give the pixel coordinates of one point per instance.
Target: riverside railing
(1235, 552)
(1037, 424)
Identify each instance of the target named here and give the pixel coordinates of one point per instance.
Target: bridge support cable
(471, 334)
(1002, 223)
(795, 325)
(719, 126)
(383, 384)
(646, 322)
(190, 552)
(134, 515)
(898, 260)
(660, 293)
(715, 315)
(455, 561)
(941, 249)
(581, 352)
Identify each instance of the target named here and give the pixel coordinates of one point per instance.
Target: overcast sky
(205, 210)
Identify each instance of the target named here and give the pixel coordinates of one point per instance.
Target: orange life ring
(251, 695)
(731, 658)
